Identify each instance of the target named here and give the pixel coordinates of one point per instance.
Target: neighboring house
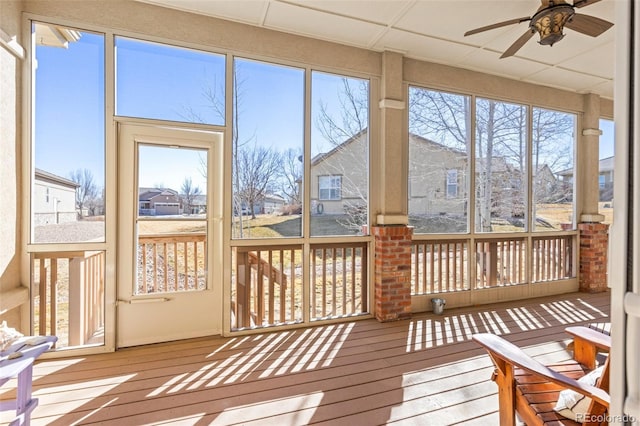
(268, 204)
(339, 178)
(159, 202)
(54, 199)
(438, 181)
(198, 204)
(271, 203)
(437, 178)
(605, 178)
(548, 188)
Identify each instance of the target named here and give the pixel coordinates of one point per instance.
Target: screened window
(165, 82)
(339, 154)
(69, 135)
(330, 187)
(439, 146)
(553, 140)
(501, 172)
(267, 144)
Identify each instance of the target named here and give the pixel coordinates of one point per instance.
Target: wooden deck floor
(420, 371)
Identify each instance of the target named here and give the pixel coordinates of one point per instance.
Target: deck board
(425, 370)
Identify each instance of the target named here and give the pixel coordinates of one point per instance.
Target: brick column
(594, 241)
(392, 278)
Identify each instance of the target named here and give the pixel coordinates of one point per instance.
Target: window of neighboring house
(330, 188)
(47, 195)
(602, 181)
(69, 117)
(452, 183)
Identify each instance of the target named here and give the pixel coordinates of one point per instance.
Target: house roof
(146, 194)
(322, 156)
(52, 178)
(604, 165)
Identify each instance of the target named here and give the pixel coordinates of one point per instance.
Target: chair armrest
(598, 339)
(507, 352)
(586, 343)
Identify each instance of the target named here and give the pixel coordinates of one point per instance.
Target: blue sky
(161, 82)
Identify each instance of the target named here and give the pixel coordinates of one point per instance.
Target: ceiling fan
(549, 21)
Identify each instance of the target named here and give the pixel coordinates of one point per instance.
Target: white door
(168, 237)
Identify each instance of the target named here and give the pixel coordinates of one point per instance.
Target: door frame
(129, 135)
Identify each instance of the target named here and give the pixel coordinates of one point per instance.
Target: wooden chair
(531, 389)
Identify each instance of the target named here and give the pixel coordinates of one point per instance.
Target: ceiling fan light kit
(549, 22)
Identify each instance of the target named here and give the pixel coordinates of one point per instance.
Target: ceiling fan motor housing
(549, 22)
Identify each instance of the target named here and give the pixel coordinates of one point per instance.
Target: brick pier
(392, 279)
(594, 242)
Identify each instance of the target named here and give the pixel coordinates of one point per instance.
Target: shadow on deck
(425, 370)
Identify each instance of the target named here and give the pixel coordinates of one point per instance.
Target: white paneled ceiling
(433, 30)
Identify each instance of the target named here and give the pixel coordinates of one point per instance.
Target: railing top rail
(65, 254)
(174, 237)
(245, 249)
(553, 236)
(339, 245)
(459, 241)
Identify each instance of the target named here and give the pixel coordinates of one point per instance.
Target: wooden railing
(268, 283)
(338, 280)
(439, 266)
(552, 258)
(443, 266)
(171, 262)
(267, 286)
(500, 262)
(68, 295)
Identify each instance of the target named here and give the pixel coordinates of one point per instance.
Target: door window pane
(67, 203)
(438, 161)
(339, 154)
(165, 82)
(553, 140)
(501, 158)
(267, 141)
(172, 226)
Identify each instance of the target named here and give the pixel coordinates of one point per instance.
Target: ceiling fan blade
(583, 3)
(589, 25)
(497, 25)
(517, 44)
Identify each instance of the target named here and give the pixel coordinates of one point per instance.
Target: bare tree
(291, 176)
(257, 168)
(500, 146)
(189, 193)
(87, 191)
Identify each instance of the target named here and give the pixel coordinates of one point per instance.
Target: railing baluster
(314, 275)
(186, 266)
(334, 288)
(155, 267)
(354, 278)
(344, 281)
(53, 323)
(195, 265)
(271, 299)
(324, 282)
(293, 283)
